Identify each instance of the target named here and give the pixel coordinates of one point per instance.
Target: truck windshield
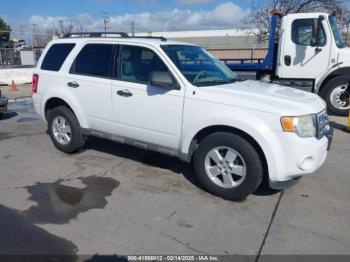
(198, 66)
(337, 35)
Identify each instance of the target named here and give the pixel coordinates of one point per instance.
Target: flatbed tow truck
(305, 51)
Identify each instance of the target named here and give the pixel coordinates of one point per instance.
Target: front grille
(322, 123)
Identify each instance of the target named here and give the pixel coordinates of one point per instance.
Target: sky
(148, 15)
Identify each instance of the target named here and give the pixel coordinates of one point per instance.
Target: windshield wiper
(216, 82)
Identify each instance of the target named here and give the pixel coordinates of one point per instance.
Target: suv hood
(260, 96)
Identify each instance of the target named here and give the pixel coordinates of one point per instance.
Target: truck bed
(247, 64)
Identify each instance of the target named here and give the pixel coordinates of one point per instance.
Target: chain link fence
(13, 57)
(22, 49)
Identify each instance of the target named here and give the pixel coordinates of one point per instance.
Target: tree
(65, 28)
(4, 31)
(260, 18)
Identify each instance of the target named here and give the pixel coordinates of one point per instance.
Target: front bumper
(3, 104)
(293, 156)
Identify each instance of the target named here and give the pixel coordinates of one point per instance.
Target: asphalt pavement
(118, 200)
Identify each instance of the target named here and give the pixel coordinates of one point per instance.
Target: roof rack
(162, 38)
(95, 34)
(109, 34)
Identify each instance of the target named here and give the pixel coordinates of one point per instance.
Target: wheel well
(338, 72)
(53, 103)
(214, 129)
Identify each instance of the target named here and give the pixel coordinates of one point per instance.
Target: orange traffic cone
(13, 86)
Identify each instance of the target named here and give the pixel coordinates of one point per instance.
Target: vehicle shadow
(155, 159)
(22, 240)
(8, 115)
(115, 258)
(265, 190)
(149, 158)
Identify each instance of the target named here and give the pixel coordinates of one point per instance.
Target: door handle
(318, 50)
(73, 84)
(124, 93)
(287, 60)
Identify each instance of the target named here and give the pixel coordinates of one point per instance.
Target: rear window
(94, 60)
(56, 56)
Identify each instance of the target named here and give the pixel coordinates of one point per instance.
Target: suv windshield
(198, 66)
(337, 35)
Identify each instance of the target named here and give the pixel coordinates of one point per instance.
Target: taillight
(35, 83)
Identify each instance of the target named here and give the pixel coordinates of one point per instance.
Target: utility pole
(347, 32)
(33, 42)
(22, 28)
(33, 35)
(342, 20)
(132, 28)
(105, 21)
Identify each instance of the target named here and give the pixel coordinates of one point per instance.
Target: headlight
(303, 126)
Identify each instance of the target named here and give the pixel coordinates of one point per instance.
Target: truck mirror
(316, 31)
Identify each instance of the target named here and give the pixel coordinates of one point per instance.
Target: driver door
(141, 111)
(299, 59)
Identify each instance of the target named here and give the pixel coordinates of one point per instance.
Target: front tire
(336, 95)
(64, 130)
(228, 166)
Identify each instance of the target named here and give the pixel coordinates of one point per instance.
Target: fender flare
(257, 135)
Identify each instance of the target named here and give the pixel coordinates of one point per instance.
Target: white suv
(177, 99)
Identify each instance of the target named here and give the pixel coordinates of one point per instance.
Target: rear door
(89, 80)
(49, 65)
(141, 111)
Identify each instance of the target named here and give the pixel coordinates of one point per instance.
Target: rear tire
(64, 130)
(240, 173)
(336, 96)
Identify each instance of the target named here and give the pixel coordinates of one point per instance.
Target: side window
(56, 56)
(302, 32)
(137, 63)
(94, 60)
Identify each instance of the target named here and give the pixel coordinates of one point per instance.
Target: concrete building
(224, 44)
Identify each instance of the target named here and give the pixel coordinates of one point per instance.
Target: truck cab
(306, 51)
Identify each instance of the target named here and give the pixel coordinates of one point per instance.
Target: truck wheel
(64, 130)
(336, 95)
(228, 166)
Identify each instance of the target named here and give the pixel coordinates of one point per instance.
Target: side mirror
(162, 79)
(316, 31)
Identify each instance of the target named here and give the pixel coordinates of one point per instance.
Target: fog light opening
(307, 163)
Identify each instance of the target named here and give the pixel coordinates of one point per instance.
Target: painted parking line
(22, 99)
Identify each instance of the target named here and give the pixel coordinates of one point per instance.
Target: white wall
(19, 75)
